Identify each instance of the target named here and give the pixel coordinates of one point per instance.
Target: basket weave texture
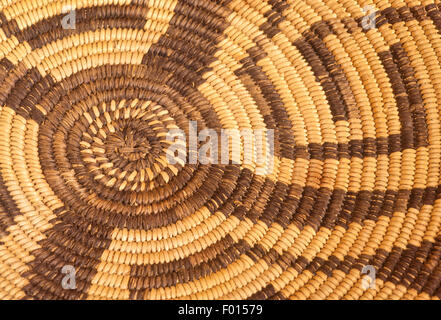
(89, 90)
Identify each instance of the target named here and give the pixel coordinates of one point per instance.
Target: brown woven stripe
(86, 19)
(269, 101)
(415, 100)
(8, 27)
(401, 98)
(322, 71)
(72, 241)
(8, 208)
(394, 266)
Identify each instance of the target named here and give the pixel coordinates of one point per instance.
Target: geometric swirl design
(84, 176)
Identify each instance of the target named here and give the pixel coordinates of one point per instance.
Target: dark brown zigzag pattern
(101, 138)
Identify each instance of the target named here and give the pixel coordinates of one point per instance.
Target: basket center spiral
(127, 144)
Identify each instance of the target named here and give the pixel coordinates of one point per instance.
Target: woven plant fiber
(348, 206)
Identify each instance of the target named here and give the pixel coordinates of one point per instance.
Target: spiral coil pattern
(352, 90)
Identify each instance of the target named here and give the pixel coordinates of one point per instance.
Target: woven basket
(348, 206)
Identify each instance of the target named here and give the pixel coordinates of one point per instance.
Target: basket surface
(90, 207)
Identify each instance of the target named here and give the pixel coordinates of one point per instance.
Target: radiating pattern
(84, 175)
